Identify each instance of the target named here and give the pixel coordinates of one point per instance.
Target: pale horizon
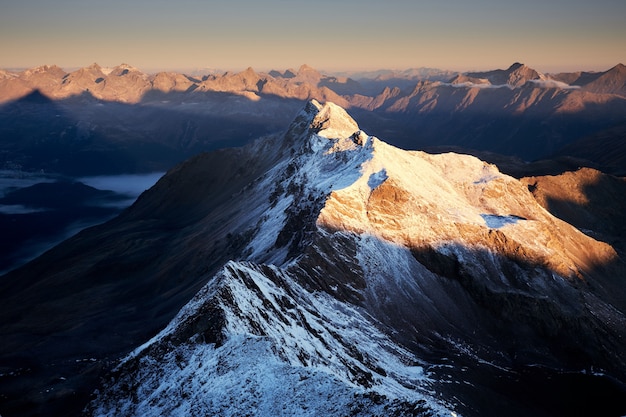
(328, 35)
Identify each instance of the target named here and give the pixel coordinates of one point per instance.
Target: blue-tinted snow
(377, 178)
(494, 221)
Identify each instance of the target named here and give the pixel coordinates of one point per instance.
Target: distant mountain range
(103, 119)
(322, 271)
(125, 83)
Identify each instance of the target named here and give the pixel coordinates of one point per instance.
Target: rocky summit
(322, 271)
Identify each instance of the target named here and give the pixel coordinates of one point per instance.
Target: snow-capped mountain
(361, 279)
(515, 76)
(132, 121)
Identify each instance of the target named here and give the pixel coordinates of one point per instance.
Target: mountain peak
(249, 71)
(94, 66)
(308, 74)
(306, 68)
(613, 81)
(516, 75)
(94, 70)
(51, 70)
(331, 121)
(124, 66)
(123, 69)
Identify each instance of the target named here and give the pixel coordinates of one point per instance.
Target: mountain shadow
(82, 135)
(530, 135)
(521, 376)
(606, 148)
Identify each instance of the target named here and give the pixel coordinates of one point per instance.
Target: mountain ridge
(517, 75)
(421, 110)
(450, 270)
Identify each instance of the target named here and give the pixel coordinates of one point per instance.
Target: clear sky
(548, 35)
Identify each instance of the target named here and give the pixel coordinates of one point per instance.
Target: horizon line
(150, 70)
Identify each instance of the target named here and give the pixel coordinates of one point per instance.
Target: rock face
(360, 278)
(515, 76)
(612, 81)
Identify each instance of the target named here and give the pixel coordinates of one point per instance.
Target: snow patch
(495, 221)
(377, 178)
(488, 176)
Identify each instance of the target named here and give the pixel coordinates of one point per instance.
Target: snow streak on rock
(281, 351)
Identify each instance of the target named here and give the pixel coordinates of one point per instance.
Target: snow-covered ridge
(419, 200)
(282, 351)
(353, 258)
(333, 353)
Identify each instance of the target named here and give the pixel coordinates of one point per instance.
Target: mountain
(162, 117)
(372, 83)
(84, 79)
(612, 81)
(321, 271)
(515, 76)
(585, 198)
(168, 82)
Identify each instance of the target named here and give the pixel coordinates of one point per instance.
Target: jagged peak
(288, 73)
(317, 124)
(124, 66)
(42, 69)
(619, 68)
(94, 66)
(93, 69)
(124, 69)
(306, 68)
(516, 65)
(516, 75)
(308, 74)
(249, 71)
(331, 121)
